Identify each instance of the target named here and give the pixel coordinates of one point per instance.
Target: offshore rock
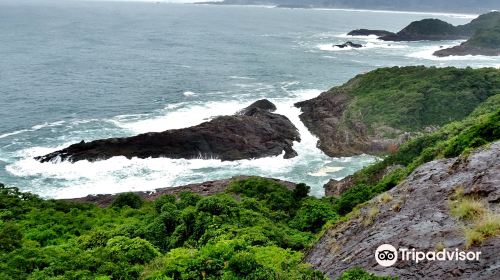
(254, 132)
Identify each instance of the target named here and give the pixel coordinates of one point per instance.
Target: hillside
(377, 111)
(438, 30)
(486, 41)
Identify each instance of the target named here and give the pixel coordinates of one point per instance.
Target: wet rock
(349, 44)
(255, 132)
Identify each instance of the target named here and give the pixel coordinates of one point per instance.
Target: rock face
(324, 117)
(426, 29)
(348, 44)
(204, 189)
(338, 187)
(416, 214)
(253, 133)
(368, 32)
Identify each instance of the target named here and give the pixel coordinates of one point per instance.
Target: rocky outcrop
(368, 32)
(349, 44)
(204, 189)
(427, 29)
(255, 132)
(338, 136)
(416, 214)
(485, 41)
(467, 49)
(338, 187)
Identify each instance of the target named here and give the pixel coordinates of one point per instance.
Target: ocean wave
(426, 53)
(367, 45)
(189, 93)
(33, 128)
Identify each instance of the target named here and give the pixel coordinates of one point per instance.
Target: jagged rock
(323, 116)
(349, 44)
(204, 189)
(338, 187)
(253, 133)
(416, 214)
(368, 32)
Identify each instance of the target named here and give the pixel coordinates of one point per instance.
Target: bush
(131, 200)
(360, 274)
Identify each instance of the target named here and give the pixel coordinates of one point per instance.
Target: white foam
(366, 45)
(33, 128)
(189, 93)
(426, 53)
(120, 174)
(325, 171)
(178, 117)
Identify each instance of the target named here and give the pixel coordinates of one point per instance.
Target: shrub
(131, 200)
(360, 274)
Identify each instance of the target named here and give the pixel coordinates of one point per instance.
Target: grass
(482, 222)
(385, 198)
(468, 208)
(486, 227)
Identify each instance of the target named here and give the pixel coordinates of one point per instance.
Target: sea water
(80, 70)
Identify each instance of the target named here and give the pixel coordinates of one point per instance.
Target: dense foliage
(487, 37)
(454, 139)
(255, 231)
(413, 98)
(430, 26)
(359, 274)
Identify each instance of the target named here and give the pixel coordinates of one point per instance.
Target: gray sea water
(88, 70)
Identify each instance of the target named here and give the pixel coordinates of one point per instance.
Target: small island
(483, 42)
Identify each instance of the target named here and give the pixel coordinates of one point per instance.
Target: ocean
(77, 70)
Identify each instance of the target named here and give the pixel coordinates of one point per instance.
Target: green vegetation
(480, 221)
(360, 274)
(429, 27)
(258, 228)
(413, 98)
(255, 231)
(454, 139)
(487, 37)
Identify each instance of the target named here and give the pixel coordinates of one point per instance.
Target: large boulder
(418, 213)
(254, 132)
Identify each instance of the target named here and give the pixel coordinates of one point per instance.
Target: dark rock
(416, 214)
(262, 104)
(254, 133)
(324, 117)
(368, 32)
(427, 29)
(348, 44)
(204, 189)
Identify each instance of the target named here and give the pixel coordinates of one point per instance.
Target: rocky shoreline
(205, 189)
(254, 132)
